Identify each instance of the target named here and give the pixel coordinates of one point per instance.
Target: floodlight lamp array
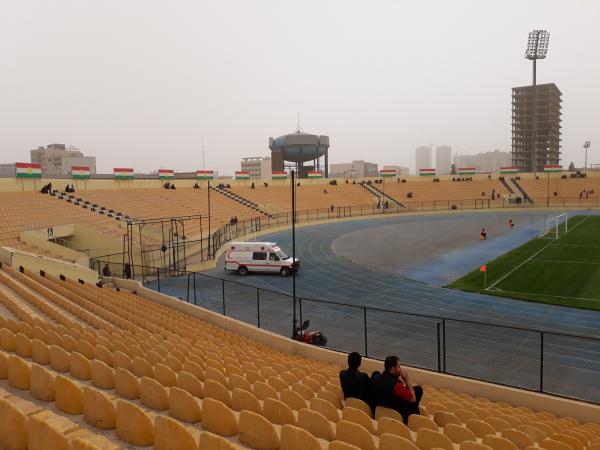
(537, 44)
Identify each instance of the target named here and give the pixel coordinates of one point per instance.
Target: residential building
(422, 158)
(57, 159)
(443, 160)
(354, 169)
(258, 167)
(484, 162)
(536, 117)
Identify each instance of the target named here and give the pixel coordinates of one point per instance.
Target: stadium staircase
(506, 185)
(242, 200)
(69, 198)
(526, 197)
(379, 193)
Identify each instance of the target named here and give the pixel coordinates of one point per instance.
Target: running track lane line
(532, 256)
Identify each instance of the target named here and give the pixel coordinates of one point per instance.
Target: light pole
(586, 145)
(537, 48)
(293, 183)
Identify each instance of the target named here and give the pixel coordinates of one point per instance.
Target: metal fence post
(158, 278)
(365, 324)
(258, 307)
(187, 295)
(223, 294)
(195, 300)
(439, 350)
(444, 344)
(541, 361)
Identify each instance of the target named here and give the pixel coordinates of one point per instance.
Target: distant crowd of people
(391, 388)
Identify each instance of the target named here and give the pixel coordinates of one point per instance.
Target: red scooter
(309, 337)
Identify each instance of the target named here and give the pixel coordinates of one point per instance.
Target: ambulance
(245, 257)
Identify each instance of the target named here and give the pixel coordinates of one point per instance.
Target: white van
(258, 257)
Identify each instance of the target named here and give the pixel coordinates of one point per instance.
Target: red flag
(483, 268)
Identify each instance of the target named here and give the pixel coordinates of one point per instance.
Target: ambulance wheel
(243, 271)
(284, 271)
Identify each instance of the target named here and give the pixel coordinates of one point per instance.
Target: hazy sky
(138, 83)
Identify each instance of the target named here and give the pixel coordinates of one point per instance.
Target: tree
(571, 167)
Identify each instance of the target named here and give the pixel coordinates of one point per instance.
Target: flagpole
(485, 278)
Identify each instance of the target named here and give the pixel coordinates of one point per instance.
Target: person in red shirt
(394, 389)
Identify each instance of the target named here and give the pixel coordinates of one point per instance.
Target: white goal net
(556, 226)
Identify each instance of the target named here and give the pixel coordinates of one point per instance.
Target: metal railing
(543, 361)
(205, 248)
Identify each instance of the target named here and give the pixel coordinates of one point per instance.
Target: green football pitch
(563, 271)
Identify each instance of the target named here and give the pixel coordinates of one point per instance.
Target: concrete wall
(561, 407)
(55, 267)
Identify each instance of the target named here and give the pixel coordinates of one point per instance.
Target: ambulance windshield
(281, 254)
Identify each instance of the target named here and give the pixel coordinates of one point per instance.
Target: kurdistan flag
(123, 173)
(314, 175)
(387, 173)
(279, 175)
(205, 174)
(239, 175)
(509, 170)
(427, 172)
(166, 174)
(28, 170)
(549, 169)
(467, 171)
(80, 172)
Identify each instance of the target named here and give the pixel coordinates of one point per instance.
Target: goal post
(557, 222)
(553, 226)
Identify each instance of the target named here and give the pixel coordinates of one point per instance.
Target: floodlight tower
(586, 145)
(537, 48)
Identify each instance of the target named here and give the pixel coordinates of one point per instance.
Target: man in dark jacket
(355, 383)
(393, 389)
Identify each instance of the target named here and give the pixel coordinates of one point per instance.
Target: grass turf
(565, 271)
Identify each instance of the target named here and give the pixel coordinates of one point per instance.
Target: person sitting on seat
(167, 185)
(355, 384)
(393, 389)
(483, 234)
(196, 186)
(172, 186)
(106, 271)
(266, 185)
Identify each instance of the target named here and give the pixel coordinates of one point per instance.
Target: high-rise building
(443, 160)
(422, 158)
(536, 118)
(354, 169)
(57, 159)
(259, 168)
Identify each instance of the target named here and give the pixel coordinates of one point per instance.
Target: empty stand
(87, 367)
